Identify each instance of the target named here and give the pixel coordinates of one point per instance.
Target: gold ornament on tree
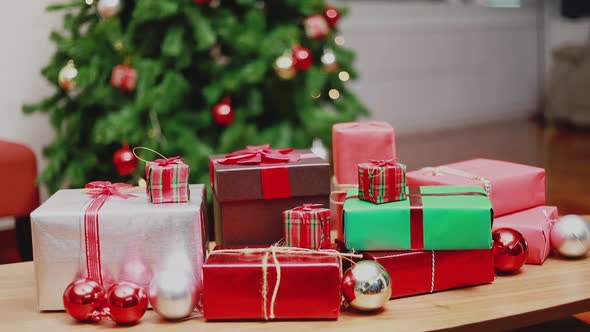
(67, 76)
(284, 66)
(328, 59)
(109, 8)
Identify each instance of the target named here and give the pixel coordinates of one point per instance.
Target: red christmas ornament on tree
(124, 77)
(202, 2)
(124, 160)
(302, 58)
(510, 250)
(223, 112)
(332, 16)
(316, 27)
(84, 299)
(127, 302)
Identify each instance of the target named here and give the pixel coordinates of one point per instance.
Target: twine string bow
(437, 171)
(256, 155)
(163, 161)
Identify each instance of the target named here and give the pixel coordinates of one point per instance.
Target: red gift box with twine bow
(252, 187)
(271, 283)
(307, 226)
(382, 181)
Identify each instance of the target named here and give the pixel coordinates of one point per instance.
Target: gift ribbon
(274, 180)
(268, 310)
(100, 192)
(436, 171)
(551, 220)
(305, 213)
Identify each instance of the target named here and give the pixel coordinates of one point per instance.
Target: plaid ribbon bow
(168, 161)
(256, 155)
(383, 162)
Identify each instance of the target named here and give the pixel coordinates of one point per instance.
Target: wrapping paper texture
(307, 226)
(167, 184)
(382, 183)
(337, 198)
(412, 271)
(357, 142)
(535, 225)
(137, 239)
(309, 286)
(458, 218)
(514, 187)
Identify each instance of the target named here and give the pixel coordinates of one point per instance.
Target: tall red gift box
(419, 272)
(239, 283)
(356, 142)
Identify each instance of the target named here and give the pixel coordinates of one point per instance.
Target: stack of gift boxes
(277, 214)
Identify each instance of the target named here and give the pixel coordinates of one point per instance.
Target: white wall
(423, 66)
(431, 65)
(24, 32)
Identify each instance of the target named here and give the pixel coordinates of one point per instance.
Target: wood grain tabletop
(559, 288)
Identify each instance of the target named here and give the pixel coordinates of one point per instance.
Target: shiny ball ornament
(332, 15)
(202, 2)
(223, 113)
(124, 78)
(302, 58)
(66, 77)
(366, 286)
(284, 67)
(329, 62)
(316, 27)
(510, 250)
(570, 236)
(83, 299)
(127, 302)
(124, 160)
(173, 294)
(109, 8)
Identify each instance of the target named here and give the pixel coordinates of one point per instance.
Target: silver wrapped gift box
(137, 239)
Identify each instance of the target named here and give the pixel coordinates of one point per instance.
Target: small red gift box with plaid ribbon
(167, 180)
(382, 181)
(307, 226)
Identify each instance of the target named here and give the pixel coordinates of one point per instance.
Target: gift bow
(168, 161)
(383, 162)
(255, 155)
(105, 188)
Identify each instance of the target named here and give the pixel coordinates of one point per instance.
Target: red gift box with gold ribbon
(252, 188)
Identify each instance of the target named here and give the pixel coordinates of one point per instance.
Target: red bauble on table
(124, 77)
(127, 302)
(510, 250)
(83, 299)
(124, 160)
(302, 58)
(223, 113)
(332, 16)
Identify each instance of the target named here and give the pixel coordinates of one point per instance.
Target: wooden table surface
(557, 289)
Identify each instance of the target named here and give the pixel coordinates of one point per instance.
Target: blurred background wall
(424, 65)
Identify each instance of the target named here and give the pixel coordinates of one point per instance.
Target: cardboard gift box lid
(433, 218)
(308, 176)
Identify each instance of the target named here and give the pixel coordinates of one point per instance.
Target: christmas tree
(190, 78)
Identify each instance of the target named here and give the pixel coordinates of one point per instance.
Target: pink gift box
(535, 225)
(356, 142)
(513, 187)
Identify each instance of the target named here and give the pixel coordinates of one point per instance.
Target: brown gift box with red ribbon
(252, 187)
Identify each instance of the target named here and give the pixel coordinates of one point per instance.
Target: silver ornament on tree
(66, 78)
(366, 286)
(109, 8)
(570, 236)
(173, 294)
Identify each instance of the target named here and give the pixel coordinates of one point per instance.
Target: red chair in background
(19, 194)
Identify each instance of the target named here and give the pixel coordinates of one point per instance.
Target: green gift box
(432, 218)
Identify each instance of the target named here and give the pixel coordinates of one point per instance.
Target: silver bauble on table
(109, 8)
(366, 286)
(570, 236)
(173, 294)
